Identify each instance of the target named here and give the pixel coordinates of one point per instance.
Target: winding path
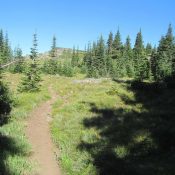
(38, 133)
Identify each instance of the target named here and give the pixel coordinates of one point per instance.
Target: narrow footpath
(38, 133)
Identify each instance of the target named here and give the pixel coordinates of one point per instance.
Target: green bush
(5, 102)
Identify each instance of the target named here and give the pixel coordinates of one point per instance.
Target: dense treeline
(116, 59)
(110, 58)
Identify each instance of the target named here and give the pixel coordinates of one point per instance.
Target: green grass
(111, 128)
(74, 106)
(15, 149)
(107, 128)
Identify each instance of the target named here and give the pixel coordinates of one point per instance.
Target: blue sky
(75, 22)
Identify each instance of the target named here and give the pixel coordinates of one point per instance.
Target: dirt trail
(39, 136)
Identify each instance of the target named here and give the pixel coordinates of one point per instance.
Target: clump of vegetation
(55, 67)
(6, 102)
(20, 65)
(31, 80)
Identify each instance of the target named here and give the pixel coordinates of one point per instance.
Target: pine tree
(153, 65)
(117, 55)
(128, 58)
(110, 43)
(108, 57)
(117, 46)
(67, 69)
(6, 101)
(165, 55)
(99, 59)
(53, 48)
(2, 58)
(20, 65)
(7, 50)
(141, 63)
(88, 61)
(75, 57)
(148, 49)
(139, 42)
(50, 66)
(31, 81)
(173, 63)
(108, 66)
(1, 46)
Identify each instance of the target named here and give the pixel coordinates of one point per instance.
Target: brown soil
(38, 133)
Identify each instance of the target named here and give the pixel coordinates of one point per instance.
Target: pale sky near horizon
(77, 22)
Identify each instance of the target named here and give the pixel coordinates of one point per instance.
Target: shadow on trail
(131, 141)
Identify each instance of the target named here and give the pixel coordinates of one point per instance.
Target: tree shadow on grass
(132, 141)
(8, 147)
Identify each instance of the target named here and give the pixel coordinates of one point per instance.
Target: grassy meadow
(101, 127)
(114, 128)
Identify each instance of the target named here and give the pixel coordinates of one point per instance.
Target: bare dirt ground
(39, 136)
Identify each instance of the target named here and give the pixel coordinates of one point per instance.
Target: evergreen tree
(50, 66)
(153, 65)
(99, 59)
(128, 58)
(117, 55)
(148, 49)
(141, 63)
(117, 46)
(173, 62)
(6, 100)
(53, 48)
(7, 50)
(128, 44)
(139, 42)
(88, 61)
(67, 69)
(165, 55)
(20, 65)
(1, 46)
(31, 81)
(75, 57)
(110, 43)
(108, 57)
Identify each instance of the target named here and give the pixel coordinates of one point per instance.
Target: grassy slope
(15, 148)
(110, 128)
